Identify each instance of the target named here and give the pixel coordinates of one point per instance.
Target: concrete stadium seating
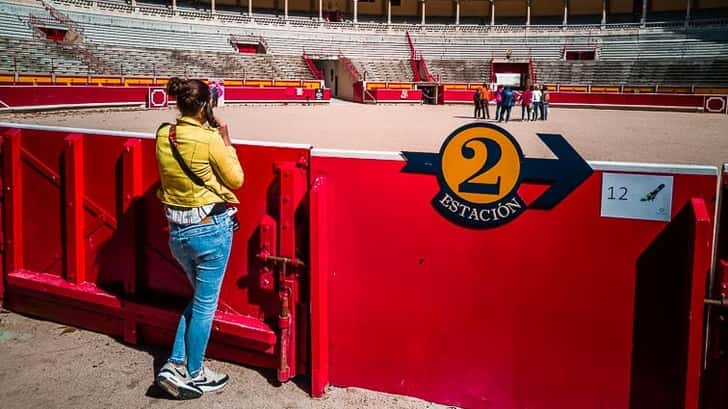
(27, 55)
(148, 42)
(32, 55)
(476, 71)
(640, 72)
(385, 70)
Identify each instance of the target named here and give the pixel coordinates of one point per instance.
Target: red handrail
(349, 67)
(423, 67)
(312, 67)
(416, 76)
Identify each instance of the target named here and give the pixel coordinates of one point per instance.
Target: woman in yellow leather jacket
(199, 170)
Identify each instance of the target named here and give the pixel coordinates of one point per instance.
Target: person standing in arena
(485, 96)
(536, 97)
(220, 94)
(526, 103)
(545, 102)
(199, 169)
(476, 103)
(506, 104)
(215, 91)
(498, 102)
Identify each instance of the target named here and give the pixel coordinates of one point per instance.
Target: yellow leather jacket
(206, 155)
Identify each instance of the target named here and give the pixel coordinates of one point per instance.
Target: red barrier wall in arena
(556, 309)
(386, 95)
(715, 393)
(61, 95)
(86, 242)
(13, 96)
(539, 313)
(270, 94)
(456, 96)
(678, 101)
(649, 100)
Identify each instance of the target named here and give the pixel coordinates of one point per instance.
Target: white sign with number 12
(641, 197)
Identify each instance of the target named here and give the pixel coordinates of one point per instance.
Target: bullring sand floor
(633, 136)
(48, 365)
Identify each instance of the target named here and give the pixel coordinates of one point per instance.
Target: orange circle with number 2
(481, 163)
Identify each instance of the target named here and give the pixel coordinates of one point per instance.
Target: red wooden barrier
(537, 313)
(556, 309)
(695, 102)
(56, 96)
(320, 248)
(385, 95)
(277, 94)
(455, 96)
(86, 244)
(59, 96)
(715, 393)
(605, 99)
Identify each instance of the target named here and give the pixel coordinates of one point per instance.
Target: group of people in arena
(534, 101)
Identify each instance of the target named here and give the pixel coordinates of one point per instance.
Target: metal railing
(349, 66)
(313, 22)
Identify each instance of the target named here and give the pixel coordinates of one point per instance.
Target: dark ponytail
(191, 94)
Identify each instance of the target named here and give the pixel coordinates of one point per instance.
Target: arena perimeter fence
(343, 271)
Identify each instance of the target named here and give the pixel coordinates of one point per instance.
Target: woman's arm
(224, 158)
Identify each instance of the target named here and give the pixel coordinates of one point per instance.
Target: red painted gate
(86, 244)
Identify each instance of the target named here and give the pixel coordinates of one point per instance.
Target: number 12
(622, 189)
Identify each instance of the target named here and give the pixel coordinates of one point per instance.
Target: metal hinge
(720, 303)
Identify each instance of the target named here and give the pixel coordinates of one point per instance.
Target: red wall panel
(456, 95)
(584, 98)
(272, 94)
(657, 100)
(59, 95)
(130, 274)
(539, 313)
(395, 95)
(535, 314)
(28, 95)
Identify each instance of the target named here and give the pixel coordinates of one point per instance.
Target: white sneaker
(175, 380)
(208, 380)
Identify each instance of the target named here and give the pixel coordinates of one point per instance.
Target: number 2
(622, 189)
(494, 153)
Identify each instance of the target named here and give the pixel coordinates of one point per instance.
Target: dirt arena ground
(44, 364)
(633, 136)
(48, 365)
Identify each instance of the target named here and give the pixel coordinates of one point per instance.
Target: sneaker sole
(213, 388)
(177, 390)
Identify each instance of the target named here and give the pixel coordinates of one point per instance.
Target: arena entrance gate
(514, 73)
(429, 93)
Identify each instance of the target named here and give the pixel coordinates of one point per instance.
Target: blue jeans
(536, 109)
(505, 113)
(203, 251)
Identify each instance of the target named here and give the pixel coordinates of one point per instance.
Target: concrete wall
(345, 80)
